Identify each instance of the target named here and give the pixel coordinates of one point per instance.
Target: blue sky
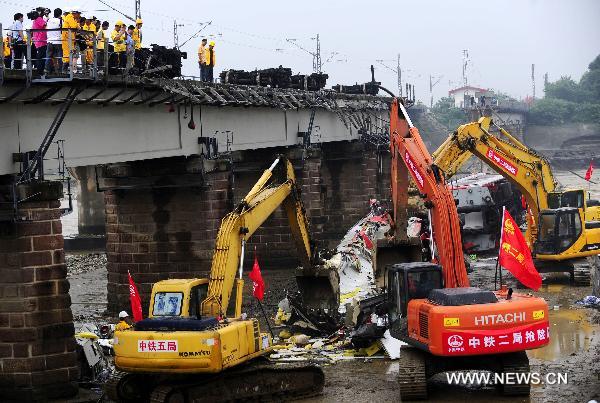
(503, 37)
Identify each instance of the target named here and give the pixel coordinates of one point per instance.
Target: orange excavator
(448, 325)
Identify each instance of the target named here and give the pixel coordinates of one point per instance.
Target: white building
(462, 96)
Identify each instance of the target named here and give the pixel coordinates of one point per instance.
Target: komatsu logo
(511, 317)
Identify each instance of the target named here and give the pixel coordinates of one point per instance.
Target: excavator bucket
(390, 252)
(319, 287)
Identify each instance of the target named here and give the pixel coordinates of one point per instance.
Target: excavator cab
(570, 198)
(407, 281)
(559, 229)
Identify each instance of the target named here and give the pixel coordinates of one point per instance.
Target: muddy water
(570, 332)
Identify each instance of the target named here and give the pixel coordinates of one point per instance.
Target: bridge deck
(126, 118)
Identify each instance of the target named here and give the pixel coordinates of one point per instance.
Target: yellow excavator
(195, 344)
(563, 226)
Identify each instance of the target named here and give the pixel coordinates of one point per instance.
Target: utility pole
(176, 34)
(533, 79)
(545, 81)
(317, 65)
(431, 85)
(138, 11)
(464, 66)
(399, 71)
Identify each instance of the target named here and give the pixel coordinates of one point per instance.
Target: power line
(196, 34)
(317, 63)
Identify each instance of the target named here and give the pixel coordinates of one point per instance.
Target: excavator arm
(530, 172)
(408, 150)
(239, 225)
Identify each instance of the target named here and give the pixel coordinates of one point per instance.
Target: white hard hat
(123, 314)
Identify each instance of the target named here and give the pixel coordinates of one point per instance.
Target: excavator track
(516, 363)
(263, 381)
(412, 375)
(583, 270)
(126, 388)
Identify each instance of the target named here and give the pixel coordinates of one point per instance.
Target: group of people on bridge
(66, 39)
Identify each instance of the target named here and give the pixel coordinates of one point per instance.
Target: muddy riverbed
(574, 348)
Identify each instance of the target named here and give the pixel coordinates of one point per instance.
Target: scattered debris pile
(94, 349)
(590, 301)
(358, 325)
(480, 199)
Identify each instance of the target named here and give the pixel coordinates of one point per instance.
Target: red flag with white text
(258, 284)
(134, 298)
(589, 172)
(515, 255)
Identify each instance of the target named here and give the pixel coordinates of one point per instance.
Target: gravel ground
(83, 263)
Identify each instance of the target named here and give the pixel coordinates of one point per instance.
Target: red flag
(589, 172)
(134, 298)
(523, 202)
(258, 288)
(515, 255)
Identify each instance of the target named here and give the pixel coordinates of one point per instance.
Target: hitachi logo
(496, 319)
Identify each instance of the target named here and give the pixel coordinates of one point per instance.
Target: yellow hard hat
(119, 23)
(139, 21)
(212, 43)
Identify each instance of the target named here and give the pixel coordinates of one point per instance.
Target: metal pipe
(242, 257)
(28, 72)
(403, 109)
(274, 164)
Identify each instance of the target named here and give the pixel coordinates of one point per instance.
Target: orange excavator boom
(409, 152)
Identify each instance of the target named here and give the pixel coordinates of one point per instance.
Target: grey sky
(503, 37)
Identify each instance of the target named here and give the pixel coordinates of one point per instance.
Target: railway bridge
(159, 162)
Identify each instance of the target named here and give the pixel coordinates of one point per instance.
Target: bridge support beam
(157, 228)
(37, 348)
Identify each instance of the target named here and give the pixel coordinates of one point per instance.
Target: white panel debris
(354, 257)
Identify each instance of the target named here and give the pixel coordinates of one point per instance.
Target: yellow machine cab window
(167, 304)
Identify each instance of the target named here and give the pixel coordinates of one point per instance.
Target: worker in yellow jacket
(202, 59)
(6, 51)
(89, 26)
(137, 40)
(100, 37)
(210, 60)
(71, 20)
(118, 36)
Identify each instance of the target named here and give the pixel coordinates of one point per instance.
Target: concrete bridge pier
(37, 348)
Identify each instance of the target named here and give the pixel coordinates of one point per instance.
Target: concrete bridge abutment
(37, 348)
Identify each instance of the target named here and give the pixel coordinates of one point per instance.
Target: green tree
(565, 89)
(567, 101)
(590, 84)
(447, 114)
(551, 111)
